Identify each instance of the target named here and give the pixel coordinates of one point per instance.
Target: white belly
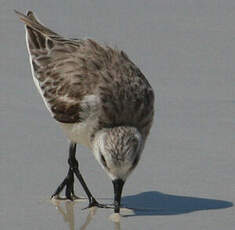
(79, 132)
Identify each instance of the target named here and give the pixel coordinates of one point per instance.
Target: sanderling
(98, 96)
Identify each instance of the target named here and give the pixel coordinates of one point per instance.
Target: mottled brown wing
(66, 71)
(58, 69)
(127, 97)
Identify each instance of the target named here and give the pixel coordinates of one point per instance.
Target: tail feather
(31, 21)
(31, 15)
(35, 39)
(38, 36)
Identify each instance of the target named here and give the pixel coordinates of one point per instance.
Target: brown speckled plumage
(68, 70)
(99, 97)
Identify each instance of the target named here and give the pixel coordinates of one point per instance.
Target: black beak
(117, 186)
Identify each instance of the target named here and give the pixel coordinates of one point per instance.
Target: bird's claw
(94, 203)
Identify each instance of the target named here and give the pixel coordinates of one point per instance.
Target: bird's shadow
(156, 203)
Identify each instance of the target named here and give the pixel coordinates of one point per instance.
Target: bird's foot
(94, 203)
(68, 183)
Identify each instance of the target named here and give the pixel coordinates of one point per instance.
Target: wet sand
(186, 176)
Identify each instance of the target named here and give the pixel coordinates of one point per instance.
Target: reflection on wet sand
(90, 215)
(117, 226)
(68, 214)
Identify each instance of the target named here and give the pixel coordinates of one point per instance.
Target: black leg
(69, 180)
(73, 163)
(69, 191)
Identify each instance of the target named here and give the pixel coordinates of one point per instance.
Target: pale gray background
(186, 179)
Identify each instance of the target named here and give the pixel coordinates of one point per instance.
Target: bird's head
(118, 151)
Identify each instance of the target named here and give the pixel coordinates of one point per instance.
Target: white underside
(79, 132)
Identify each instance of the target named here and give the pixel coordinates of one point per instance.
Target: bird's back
(126, 96)
(80, 79)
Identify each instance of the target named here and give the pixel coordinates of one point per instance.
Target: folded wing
(58, 68)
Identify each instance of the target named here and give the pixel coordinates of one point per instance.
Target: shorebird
(98, 96)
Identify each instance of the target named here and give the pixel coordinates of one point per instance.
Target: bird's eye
(135, 162)
(103, 160)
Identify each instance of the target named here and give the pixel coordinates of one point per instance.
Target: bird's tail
(39, 38)
(31, 21)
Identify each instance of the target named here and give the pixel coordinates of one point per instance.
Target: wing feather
(78, 78)
(57, 69)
